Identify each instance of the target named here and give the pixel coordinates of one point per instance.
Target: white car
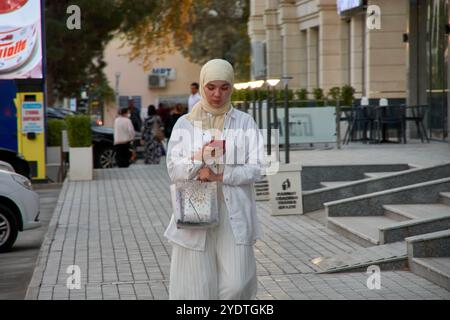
(6, 166)
(19, 207)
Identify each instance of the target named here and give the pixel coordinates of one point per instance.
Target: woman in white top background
(217, 263)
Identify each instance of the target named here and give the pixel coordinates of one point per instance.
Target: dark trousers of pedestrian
(123, 155)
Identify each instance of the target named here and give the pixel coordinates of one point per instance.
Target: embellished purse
(195, 204)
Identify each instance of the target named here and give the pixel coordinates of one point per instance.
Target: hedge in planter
(79, 131)
(54, 129)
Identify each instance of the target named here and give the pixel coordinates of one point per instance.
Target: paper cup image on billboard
(20, 39)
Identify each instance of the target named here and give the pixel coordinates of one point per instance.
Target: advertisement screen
(20, 39)
(345, 5)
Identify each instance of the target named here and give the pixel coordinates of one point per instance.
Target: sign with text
(169, 73)
(262, 189)
(285, 189)
(32, 117)
(20, 39)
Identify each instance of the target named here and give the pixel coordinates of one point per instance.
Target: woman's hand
(207, 175)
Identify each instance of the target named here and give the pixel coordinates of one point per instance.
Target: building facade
(166, 81)
(384, 49)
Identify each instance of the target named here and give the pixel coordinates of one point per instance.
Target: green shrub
(54, 129)
(318, 94)
(334, 93)
(302, 94)
(79, 131)
(347, 93)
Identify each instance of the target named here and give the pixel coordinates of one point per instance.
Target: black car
(102, 141)
(19, 164)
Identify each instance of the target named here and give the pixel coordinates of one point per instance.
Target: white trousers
(223, 271)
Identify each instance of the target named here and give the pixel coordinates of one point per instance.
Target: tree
(219, 30)
(75, 57)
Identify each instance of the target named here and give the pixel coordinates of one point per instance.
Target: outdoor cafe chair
(390, 117)
(417, 115)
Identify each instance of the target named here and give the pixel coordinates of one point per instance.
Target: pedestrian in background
(135, 116)
(194, 97)
(152, 137)
(175, 113)
(123, 137)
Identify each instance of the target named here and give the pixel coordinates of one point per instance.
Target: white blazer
(244, 165)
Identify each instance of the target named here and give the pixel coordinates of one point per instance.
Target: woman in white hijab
(219, 262)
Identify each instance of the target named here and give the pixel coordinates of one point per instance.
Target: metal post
(338, 124)
(254, 103)
(260, 110)
(286, 123)
(269, 129)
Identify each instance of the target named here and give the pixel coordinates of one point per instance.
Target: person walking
(194, 97)
(152, 137)
(218, 262)
(123, 137)
(135, 116)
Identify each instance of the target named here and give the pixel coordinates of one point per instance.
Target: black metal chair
(390, 117)
(417, 114)
(361, 119)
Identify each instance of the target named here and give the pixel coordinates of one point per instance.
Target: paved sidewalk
(112, 228)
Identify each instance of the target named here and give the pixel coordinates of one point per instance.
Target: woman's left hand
(207, 175)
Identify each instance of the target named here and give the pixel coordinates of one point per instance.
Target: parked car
(6, 166)
(19, 164)
(102, 141)
(19, 208)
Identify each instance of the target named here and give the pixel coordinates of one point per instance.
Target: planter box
(53, 163)
(81, 164)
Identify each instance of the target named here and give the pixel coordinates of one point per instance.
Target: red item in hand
(220, 144)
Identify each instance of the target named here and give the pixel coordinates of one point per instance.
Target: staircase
(405, 225)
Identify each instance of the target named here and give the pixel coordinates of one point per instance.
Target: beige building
(310, 41)
(167, 81)
(394, 49)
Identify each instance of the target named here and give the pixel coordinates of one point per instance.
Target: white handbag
(195, 204)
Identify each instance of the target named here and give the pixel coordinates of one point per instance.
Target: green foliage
(334, 93)
(219, 30)
(302, 94)
(347, 95)
(79, 131)
(318, 94)
(54, 129)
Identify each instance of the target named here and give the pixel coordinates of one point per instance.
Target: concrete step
(391, 256)
(331, 184)
(364, 230)
(445, 198)
(436, 270)
(416, 211)
(380, 174)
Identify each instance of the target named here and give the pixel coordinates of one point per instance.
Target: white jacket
(244, 165)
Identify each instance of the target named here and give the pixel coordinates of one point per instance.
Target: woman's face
(217, 92)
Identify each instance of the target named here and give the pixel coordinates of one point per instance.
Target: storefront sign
(20, 39)
(169, 73)
(32, 117)
(285, 190)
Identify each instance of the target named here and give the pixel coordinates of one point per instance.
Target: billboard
(20, 39)
(346, 5)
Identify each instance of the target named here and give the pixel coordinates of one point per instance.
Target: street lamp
(242, 86)
(254, 85)
(286, 117)
(271, 83)
(117, 88)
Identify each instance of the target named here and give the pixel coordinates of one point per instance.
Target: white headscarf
(216, 69)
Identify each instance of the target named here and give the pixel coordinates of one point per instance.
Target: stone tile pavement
(112, 228)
